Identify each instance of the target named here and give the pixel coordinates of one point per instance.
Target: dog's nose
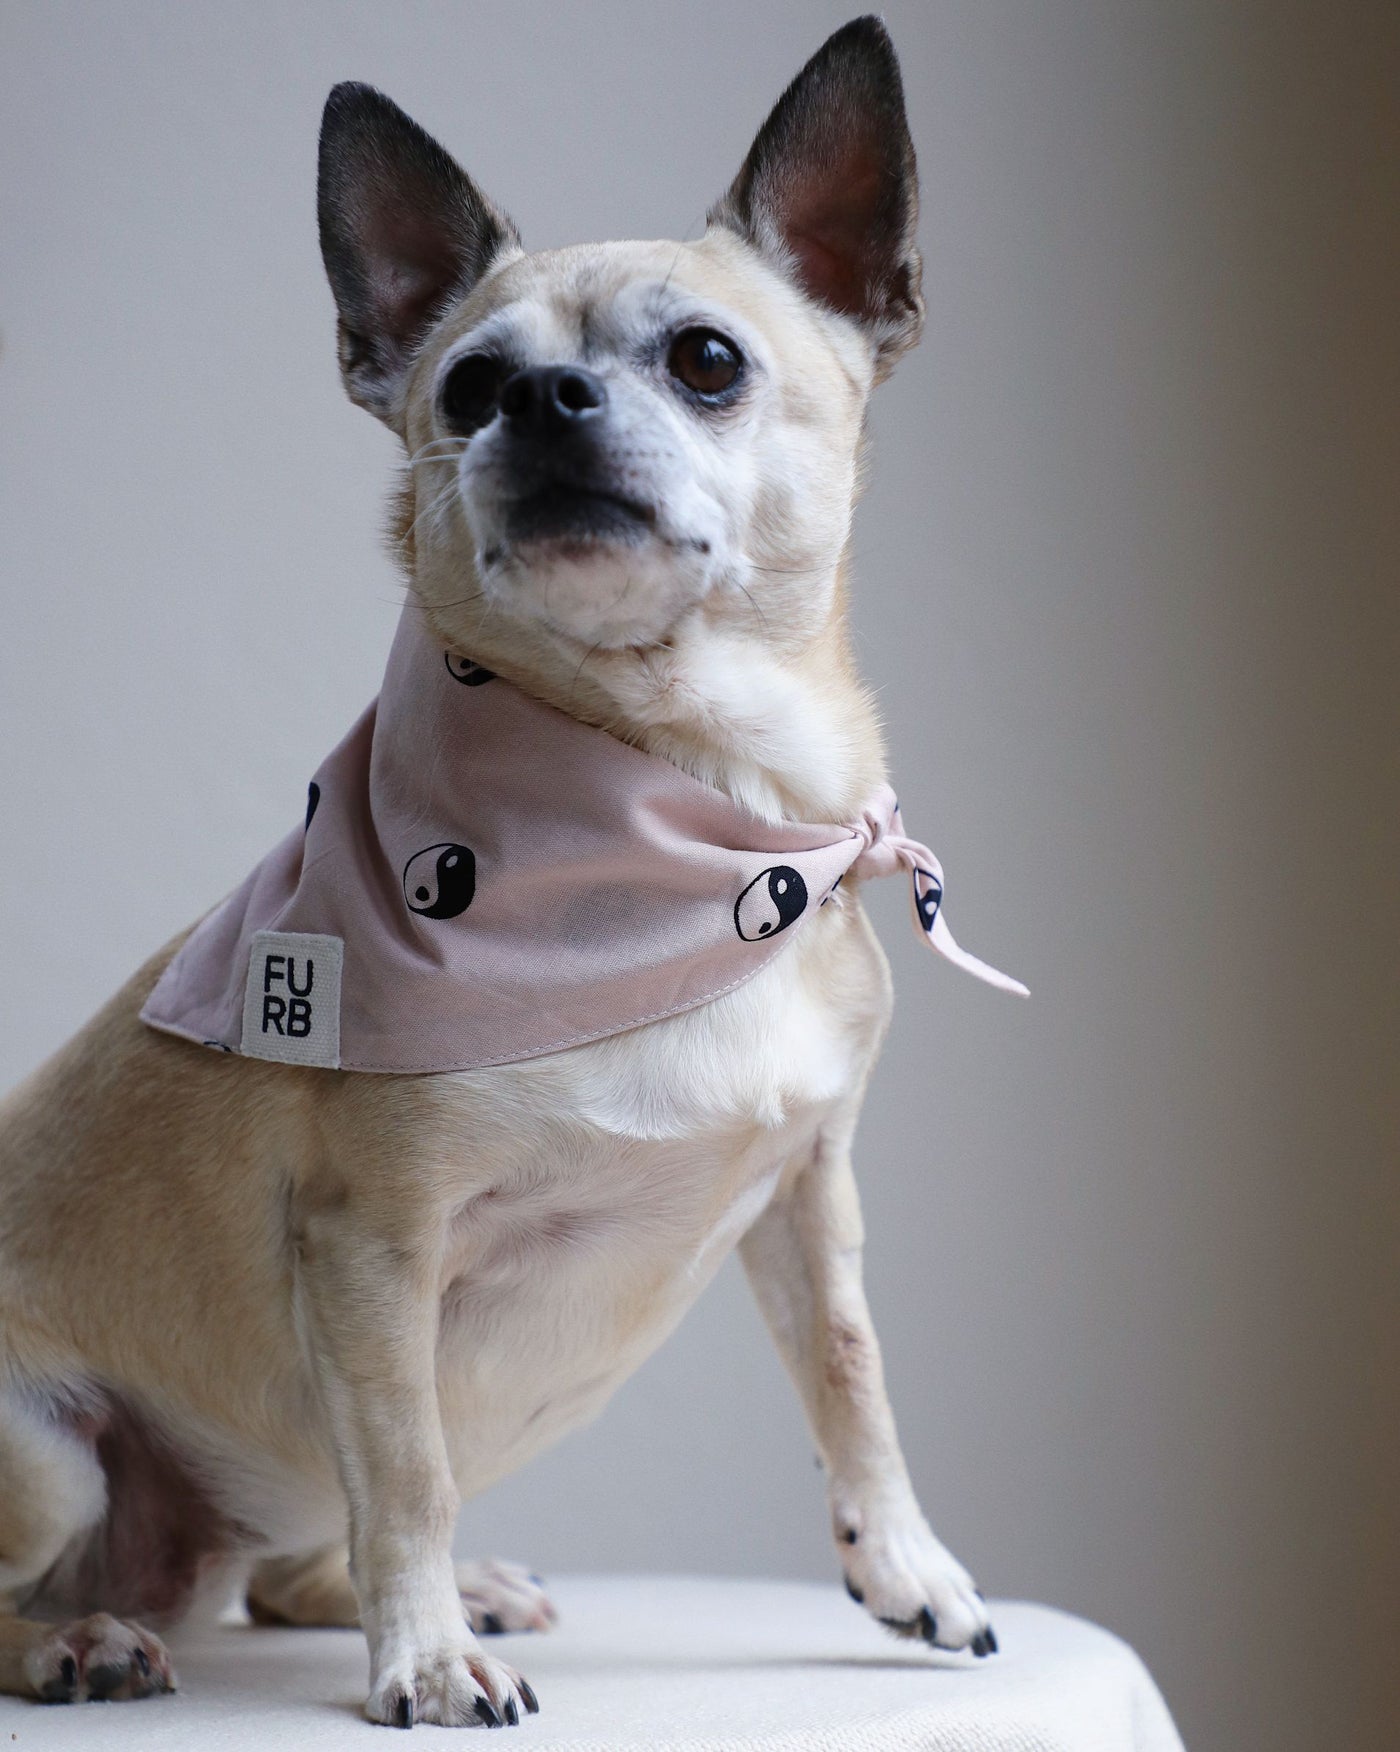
(546, 401)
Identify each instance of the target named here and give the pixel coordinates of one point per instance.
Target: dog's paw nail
(63, 1688)
(854, 1592)
(486, 1712)
(143, 1662)
(512, 1713)
(532, 1703)
(928, 1627)
(992, 1645)
(403, 1711)
(980, 1646)
(490, 1625)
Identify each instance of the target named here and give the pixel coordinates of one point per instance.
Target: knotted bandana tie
(482, 878)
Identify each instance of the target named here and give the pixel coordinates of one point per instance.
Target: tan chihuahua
(263, 1326)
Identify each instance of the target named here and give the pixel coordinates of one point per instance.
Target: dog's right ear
(404, 231)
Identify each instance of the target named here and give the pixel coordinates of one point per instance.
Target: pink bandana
(481, 878)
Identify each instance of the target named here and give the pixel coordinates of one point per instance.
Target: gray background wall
(1128, 592)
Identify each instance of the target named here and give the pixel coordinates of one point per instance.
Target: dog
(264, 1325)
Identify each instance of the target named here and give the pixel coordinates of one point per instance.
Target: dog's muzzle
(555, 417)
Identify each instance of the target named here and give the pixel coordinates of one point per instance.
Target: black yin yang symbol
(770, 903)
(439, 883)
(929, 899)
(470, 674)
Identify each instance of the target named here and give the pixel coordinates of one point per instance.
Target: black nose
(547, 401)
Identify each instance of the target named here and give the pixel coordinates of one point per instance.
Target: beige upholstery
(662, 1663)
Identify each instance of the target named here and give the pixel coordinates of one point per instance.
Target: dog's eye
(470, 391)
(705, 362)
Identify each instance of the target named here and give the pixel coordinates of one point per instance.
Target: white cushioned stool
(664, 1663)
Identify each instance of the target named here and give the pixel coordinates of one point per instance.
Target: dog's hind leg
(311, 1588)
(314, 1588)
(501, 1596)
(52, 1494)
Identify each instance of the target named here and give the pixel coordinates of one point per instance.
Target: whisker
(419, 461)
(456, 602)
(431, 509)
(411, 533)
(428, 453)
(445, 438)
(696, 225)
(762, 618)
(591, 652)
(790, 571)
(492, 608)
(674, 264)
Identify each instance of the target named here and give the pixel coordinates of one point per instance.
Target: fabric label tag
(291, 1004)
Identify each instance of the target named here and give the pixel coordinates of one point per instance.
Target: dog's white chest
(621, 1176)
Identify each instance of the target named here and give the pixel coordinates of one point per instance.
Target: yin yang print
(772, 901)
(928, 897)
(469, 673)
(439, 882)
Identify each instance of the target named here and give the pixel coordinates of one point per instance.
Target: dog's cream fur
(337, 1303)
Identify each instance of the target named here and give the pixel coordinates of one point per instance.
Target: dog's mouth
(559, 511)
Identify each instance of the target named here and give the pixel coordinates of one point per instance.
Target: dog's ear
(404, 230)
(829, 190)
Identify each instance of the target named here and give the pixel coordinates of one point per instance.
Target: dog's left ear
(830, 193)
(404, 230)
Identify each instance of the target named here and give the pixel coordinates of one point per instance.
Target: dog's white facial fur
(700, 614)
(746, 504)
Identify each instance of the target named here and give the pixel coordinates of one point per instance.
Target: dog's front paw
(502, 1596)
(98, 1660)
(911, 1582)
(456, 1687)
